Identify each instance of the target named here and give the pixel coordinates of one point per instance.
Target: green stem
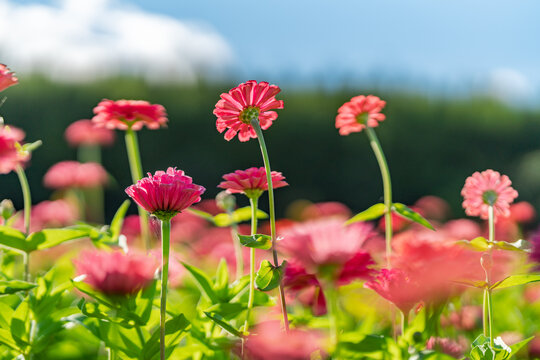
(253, 202)
(140, 335)
(134, 157)
(487, 292)
(333, 311)
(387, 188)
(111, 354)
(94, 197)
(165, 244)
(26, 197)
(404, 322)
(256, 126)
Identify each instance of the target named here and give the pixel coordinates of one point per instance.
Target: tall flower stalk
(131, 116)
(164, 195)
(364, 112)
(252, 182)
(488, 194)
(245, 111)
(27, 200)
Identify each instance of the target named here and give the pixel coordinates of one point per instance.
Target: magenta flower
(73, 174)
(7, 78)
(252, 182)
(85, 132)
(10, 154)
(129, 114)
(324, 242)
(116, 273)
(165, 194)
(270, 342)
(397, 287)
(486, 189)
(247, 101)
(361, 111)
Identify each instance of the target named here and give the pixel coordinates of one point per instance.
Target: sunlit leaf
(118, 220)
(472, 283)
(477, 244)
(204, 283)
(269, 277)
(219, 320)
(515, 280)
(238, 216)
(371, 213)
(410, 214)
(13, 286)
(173, 329)
(12, 238)
(48, 238)
(258, 241)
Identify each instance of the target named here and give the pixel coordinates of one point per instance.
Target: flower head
(485, 189)
(165, 194)
(395, 286)
(10, 154)
(73, 174)
(116, 273)
(7, 78)
(446, 346)
(252, 182)
(129, 114)
(247, 101)
(327, 248)
(361, 111)
(269, 342)
(84, 132)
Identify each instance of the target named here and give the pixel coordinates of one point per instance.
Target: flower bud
(486, 261)
(6, 209)
(226, 201)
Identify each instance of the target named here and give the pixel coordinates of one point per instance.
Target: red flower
(488, 188)
(73, 174)
(10, 155)
(243, 103)
(361, 111)
(7, 78)
(129, 114)
(269, 342)
(166, 193)
(252, 182)
(84, 132)
(116, 273)
(395, 286)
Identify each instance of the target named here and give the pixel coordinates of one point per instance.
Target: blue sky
(450, 44)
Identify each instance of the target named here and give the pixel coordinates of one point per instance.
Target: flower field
(177, 274)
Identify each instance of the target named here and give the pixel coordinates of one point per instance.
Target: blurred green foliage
(432, 144)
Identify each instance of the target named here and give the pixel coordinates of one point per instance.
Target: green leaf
(20, 327)
(12, 238)
(221, 285)
(13, 286)
(174, 326)
(477, 244)
(7, 339)
(227, 310)
(412, 215)
(472, 283)
(48, 238)
(258, 241)
(517, 346)
(238, 216)
(218, 319)
(515, 280)
(201, 214)
(269, 277)
(371, 213)
(520, 245)
(118, 219)
(204, 283)
(144, 302)
(359, 343)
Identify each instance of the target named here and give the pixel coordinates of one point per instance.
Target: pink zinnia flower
(116, 273)
(165, 194)
(50, 214)
(361, 111)
(7, 78)
(395, 286)
(73, 174)
(252, 182)
(10, 155)
(325, 209)
(247, 101)
(129, 114)
(488, 188)
(84, 132)
(269, 342)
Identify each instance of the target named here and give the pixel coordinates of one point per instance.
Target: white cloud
(510, 85)
(87, 39)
